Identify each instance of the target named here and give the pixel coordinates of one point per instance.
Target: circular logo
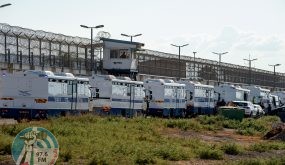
(35, 146)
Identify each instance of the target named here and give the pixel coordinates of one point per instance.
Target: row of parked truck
(41, 94)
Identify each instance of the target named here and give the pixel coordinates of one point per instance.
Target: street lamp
(249, 63)
(274, 74)
(92, 50)
(7, 4)
(220, 59)
(126, 35)
(179, 47)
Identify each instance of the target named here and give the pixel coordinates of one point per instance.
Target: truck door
(131, 95)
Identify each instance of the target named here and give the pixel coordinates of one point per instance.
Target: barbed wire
(49, 36)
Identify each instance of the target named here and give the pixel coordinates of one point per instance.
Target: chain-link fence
(39, 48)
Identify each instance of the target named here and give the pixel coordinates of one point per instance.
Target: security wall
(164, 64)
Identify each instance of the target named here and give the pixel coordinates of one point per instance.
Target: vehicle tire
(258, 114)
(251, 114)
(183, 114)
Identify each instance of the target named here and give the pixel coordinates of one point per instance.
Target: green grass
(95, 140)
(267, 146)
(213, 154)
(247, 126)
(232, 149)
(256, 126)
(183, 124)
(5, 144)
(260, 161)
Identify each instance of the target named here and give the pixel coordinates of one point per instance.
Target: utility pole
(249, 68)
(179, 47)
(92, 60)
(274, 88)
(131, 36)
(220, 59)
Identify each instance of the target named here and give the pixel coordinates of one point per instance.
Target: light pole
(179, 47)
(7, 4)
(274, 75)
(249, 67)
(220, 59)
(126, 35)
(92, 50)
(194, 64)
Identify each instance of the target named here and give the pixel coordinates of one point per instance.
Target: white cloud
(232, 39)
(259, 43)
(239, 44)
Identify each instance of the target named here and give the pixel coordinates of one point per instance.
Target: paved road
(7, 121)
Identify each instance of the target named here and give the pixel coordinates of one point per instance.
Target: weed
(183, 124)
(231, 149)
(267, 146)
(207, 153)
(171, 152)
(143, 159)
(260, 161)
(95, 161)
(5, 144)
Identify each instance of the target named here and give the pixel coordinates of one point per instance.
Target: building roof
(122, 41)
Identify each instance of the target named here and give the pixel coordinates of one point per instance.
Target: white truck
(230, 93)
(116, 96)
(260, 96)
(200, 98)
(166, 97)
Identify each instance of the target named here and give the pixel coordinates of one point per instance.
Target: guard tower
(119, 57)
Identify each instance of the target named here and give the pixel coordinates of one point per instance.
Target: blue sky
(241, 27)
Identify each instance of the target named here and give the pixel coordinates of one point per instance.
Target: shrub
(231, 124)
(266, 146)
(210, 120)
(256, 126)
(95, 161)
(144, 159)
(246, 131)
(12, 130)
(183, 124)
(207, 153)
(171, 152)
(5, 145)
(260, 161)
(231, 149)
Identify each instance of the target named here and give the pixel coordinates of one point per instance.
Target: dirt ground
(212, 137)
(226, 135)
(228, 159)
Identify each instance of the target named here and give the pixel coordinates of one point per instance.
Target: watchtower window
(124, 53)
